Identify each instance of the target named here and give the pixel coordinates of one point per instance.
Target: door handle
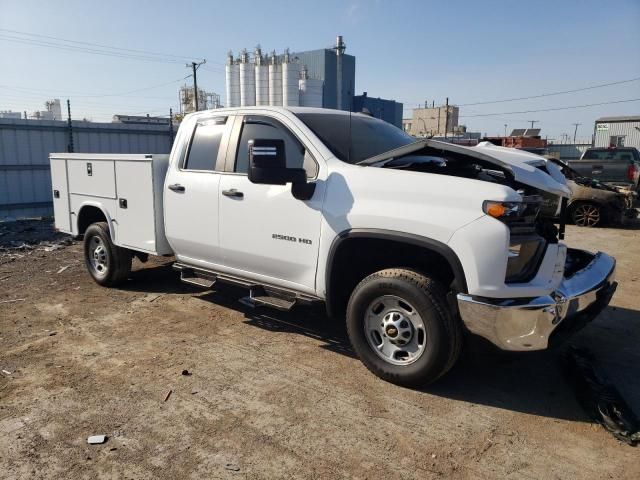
(233, 193)
(176, 187)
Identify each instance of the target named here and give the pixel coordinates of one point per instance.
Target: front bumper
(527, 323)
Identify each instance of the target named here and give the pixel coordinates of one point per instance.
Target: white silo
(232, 82)
(310, 90)
(247, 81)
(275, 81)
(290, 81)
(262, 78)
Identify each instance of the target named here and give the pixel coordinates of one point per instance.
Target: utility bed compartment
(127, 188)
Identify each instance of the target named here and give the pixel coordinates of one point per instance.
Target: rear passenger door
(191, 193)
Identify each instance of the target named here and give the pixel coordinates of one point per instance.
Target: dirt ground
(279, 395)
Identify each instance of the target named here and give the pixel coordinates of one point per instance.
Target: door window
(267, 128)
(205, 145)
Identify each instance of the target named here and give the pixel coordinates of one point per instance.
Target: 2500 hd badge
(277, 236)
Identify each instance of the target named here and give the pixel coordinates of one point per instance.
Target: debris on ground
(13, 300)
(24, 237)
(6, 372)
(186, 373)
(96, 439)
(63, 269)
(600, 399)
(232, 466)
(166, 397)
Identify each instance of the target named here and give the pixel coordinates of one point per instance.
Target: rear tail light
(632, 171)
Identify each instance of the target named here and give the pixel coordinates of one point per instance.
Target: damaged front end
(528, 323)
(579, 284)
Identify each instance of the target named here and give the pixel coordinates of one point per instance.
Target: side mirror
(268, 165)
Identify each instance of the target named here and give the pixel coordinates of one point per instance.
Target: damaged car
(594, 203)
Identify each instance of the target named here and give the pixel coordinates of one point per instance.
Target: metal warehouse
(25, 174)
(617, 132)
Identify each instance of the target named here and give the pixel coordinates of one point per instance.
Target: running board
(259, 295)
(198, 281)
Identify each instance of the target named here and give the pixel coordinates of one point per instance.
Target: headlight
(506, 211)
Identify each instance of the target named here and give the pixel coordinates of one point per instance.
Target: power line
(117, 50)
(98, 95)
(552, 109)
(93, 51)
(592, 87)
(542, 95)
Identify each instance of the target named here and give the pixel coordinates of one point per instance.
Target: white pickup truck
(413, 242)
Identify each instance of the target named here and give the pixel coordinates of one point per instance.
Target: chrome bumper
(527, 323)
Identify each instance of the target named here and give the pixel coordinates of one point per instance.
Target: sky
(409, 51)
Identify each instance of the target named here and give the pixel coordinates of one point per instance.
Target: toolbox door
(60, 193)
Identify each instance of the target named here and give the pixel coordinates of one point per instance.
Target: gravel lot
(275, 395)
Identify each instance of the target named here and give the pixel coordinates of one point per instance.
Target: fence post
(70, 144)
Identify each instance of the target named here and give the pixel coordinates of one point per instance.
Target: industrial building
(140, 119)
(10, 114)
(617, 132)
(206, 100)
(316, 78)
(53, 112)
(434, 121)
(528, 139)
(387, 110)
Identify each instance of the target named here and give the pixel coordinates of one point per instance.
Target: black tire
(442, 337)
(108, 264)
(587, 214)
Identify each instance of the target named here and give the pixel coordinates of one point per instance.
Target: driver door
(265, 233)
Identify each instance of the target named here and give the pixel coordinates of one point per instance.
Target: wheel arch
(349, 241)
(91, 212)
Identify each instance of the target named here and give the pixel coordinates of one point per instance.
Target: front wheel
(108, 264)
(402, 328)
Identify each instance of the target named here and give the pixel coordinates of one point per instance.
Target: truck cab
(413, 242)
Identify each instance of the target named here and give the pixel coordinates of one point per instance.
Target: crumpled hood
(524, 166)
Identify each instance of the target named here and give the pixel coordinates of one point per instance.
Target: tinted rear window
(203, 152)
(609, 155)
(366, 136)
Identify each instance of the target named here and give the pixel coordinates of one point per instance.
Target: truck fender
(107, 217)
(401, 237)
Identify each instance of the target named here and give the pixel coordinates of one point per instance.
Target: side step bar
(259, 295)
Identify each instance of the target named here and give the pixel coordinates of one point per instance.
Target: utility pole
(533, 121)
(70, 144)
(194, 66)
(170, 126)
(505, 129)
(446, 117)
(575, 132)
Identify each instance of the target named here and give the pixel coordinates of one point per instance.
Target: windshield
(369, 136)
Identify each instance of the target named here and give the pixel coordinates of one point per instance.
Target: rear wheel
(401, 327)
(587, 214)
(108, 264)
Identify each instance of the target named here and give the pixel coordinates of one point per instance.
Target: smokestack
(339, 48)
